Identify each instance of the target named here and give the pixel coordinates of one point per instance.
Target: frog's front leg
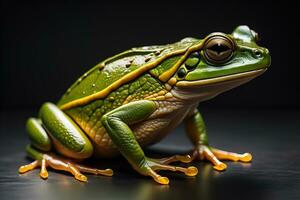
(196, 130)
(117, 124)
(67, 139)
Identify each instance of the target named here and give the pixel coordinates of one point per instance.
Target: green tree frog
(134, 99)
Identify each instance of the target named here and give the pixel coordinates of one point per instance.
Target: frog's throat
(131, 76)
(205, 89)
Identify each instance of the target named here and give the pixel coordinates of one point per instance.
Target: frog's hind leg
(44, 160)
(67, 139)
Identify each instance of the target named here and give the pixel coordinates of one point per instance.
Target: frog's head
(220, 62)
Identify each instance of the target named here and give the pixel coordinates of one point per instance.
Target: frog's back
(117, 70)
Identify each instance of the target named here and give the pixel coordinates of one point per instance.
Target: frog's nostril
(258, 53)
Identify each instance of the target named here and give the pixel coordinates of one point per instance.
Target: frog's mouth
(208, 88)
(240, 76)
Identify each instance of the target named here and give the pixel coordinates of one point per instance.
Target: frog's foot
(175, 158)
(60, 164)
(150, 166)
(215, 155)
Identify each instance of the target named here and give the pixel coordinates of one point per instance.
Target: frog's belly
(146, 132)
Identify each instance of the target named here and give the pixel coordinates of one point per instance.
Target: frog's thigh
(68, 138)
(38, 135)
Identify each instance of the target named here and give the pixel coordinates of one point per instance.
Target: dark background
(45, 46)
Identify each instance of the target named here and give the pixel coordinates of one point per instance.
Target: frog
(135, 98)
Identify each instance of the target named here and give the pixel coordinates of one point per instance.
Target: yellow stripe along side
(132, 75)
(167, 74)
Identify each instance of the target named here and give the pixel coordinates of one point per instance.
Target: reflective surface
(272, 136)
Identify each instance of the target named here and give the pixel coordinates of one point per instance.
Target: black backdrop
(46, 46)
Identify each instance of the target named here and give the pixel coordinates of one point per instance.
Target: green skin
(126, 119)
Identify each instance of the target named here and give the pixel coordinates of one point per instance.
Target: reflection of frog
(135, 98)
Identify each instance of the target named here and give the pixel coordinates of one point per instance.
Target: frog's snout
(262, 54)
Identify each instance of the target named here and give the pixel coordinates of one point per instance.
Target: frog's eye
(218, 49)
(192, 62)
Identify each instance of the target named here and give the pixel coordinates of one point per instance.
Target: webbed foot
(215, 155)
(151, 165)
(61, 164)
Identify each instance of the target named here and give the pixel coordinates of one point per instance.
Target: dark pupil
(219, 48)
(181, 73)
